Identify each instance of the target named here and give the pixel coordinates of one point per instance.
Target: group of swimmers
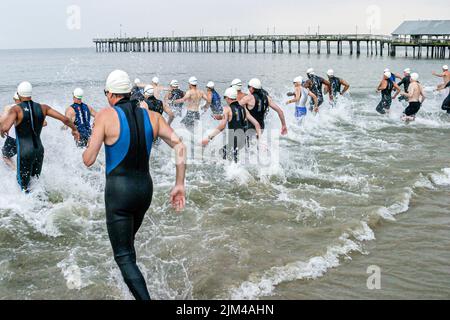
(134, 121)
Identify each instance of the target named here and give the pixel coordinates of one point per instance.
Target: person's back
(261, 108)
(335, 86)
(155, 105)
(216, 103)
(195, 97)
(82, 121)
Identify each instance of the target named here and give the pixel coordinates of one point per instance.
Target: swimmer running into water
(385, 87)
(416, 97)
(237, 84)
(300, 99)
(128, 132)
(445, 75)
(336, 85)
(28, 118)
(213, 101)
(153, 104)
(173, 94)
(80, 114)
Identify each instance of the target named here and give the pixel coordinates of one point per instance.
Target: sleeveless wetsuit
(335, 86)
(30, 151)
(316, 88)
(155, 105)
(260, 109)
(236, 131)
(300, 106)
(137, 94)
(83, 123)
(446, 103)
(129, 190)
(216, 104)
(386, 98)
(177, 108)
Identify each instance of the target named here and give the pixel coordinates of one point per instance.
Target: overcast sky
(74, 23)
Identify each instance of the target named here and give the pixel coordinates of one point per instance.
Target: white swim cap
(387, 70)
(155, 80)
(255, 83)
(25, 89)
(445, 67)
(193, 81)
(237, 84)
(407, 71)
(137, 81)
(118, 82)
(330, 73)
(415, 76)
(149, 91)
(310, 71)
(210, 85)
(174, 83)
(231, 93)
(78, 93)
(298, 80)
(16, 96)
(387, 74)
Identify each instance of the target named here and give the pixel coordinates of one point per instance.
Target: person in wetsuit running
(128, 132)
(173, 94)
(300, 98)
(406, 80)
(235, 117)
(336, 85)
(317, 87)
(9, 149)
(446, 103)
(258, 102)
(385, 87)
(80, 114)
(29, 118)
(153, 104)
(213, 101)
(416, 97)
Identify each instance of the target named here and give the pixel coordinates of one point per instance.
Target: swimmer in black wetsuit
(29, 118)
(153, 104)
(317, 87)
(385, 87)
(336, 85)
(406, 81)
(174, 93)
(236, 117)
(128, 132)
(446, 103)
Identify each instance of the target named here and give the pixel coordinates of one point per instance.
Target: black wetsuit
(406, 81)
(83, 123)
(386, 98)
(155, 105)
(129, 190)
(335, 86)
(446, 103)
(137, 94)
(30, 151)
(236, 132)
(260, 109)
(316, 88)
(177, 108)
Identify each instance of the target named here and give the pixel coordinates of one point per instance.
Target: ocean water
(352, 189)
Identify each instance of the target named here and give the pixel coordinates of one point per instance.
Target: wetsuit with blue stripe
(30, 151)
(216, 103)
(83, 123)
(129, 189)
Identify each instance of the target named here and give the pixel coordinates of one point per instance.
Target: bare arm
(440, 75)
(328, 88)
(245, 100)
(422, 93)
(8, 121)
(280, 112)
(397, 89)
(297, 96)
(208, 98)
(48, 111)
(92, 111)
(222, 125)
(186, 97)
(346, 86)
(382, 86)
(96, 141)
(316, 101)
(178, 194)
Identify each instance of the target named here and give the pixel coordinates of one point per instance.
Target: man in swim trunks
(415, 96)
(213, 101)
(28, 118)
(300, 98)
(80, 114)
(128, 132)
(235, 117)
(385, 87)
(193, 98)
